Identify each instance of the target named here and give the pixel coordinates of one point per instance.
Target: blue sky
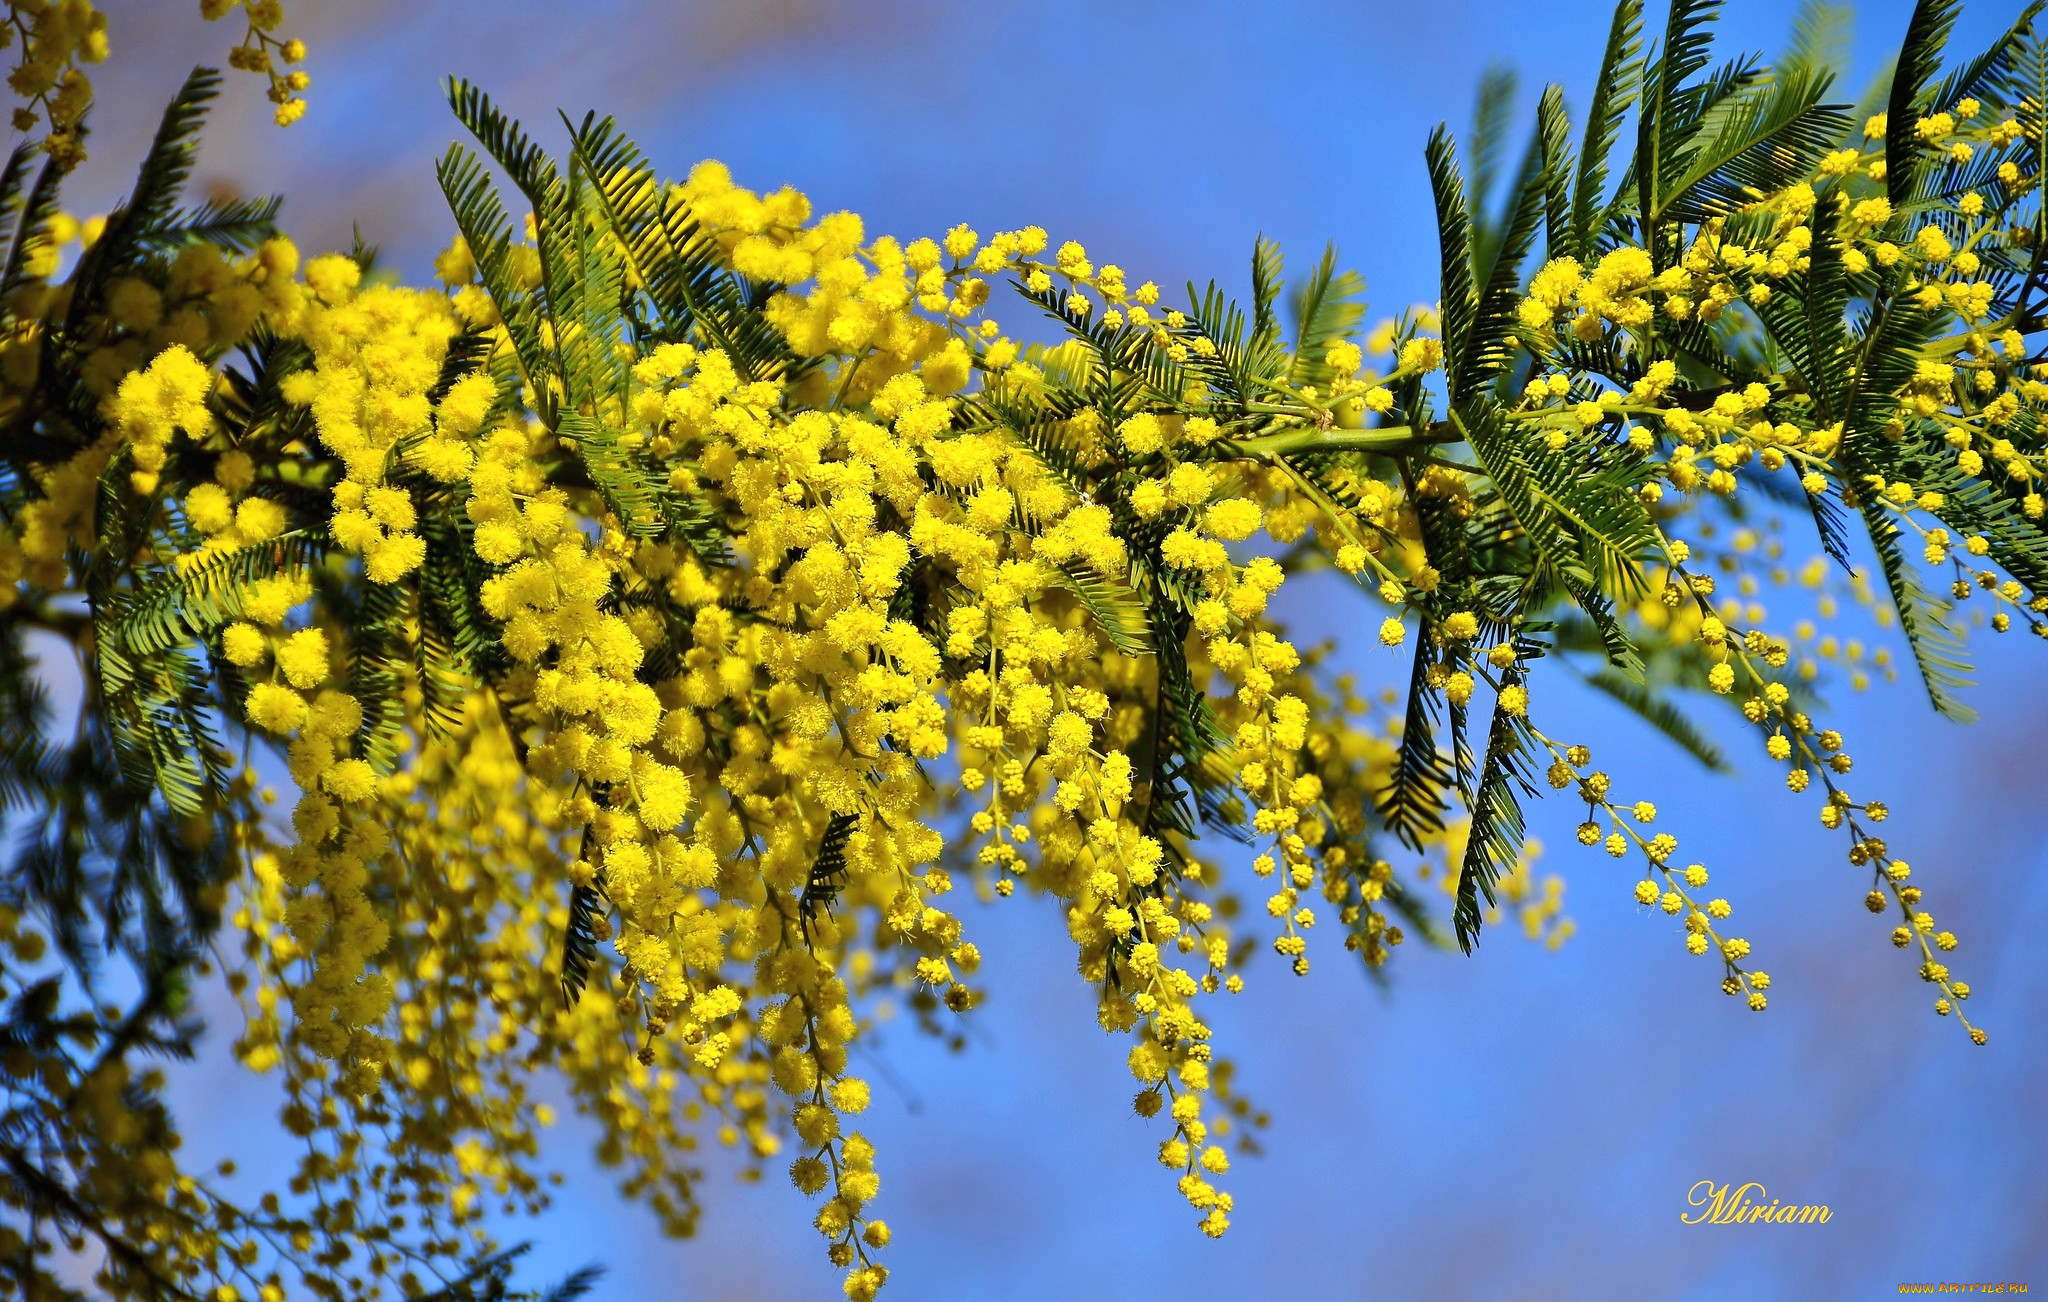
(1518, 1124)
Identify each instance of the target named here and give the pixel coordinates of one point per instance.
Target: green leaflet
(1326, 310)
(828, 870)
(1493, 845)
(1657, 710)
(1614, 91)
(1497, 269)
(137, 226)
(1117, 609)
(603, 216)
(1758, 141)
(175, 606)
(1924, 618)
(1588, 537)
(579, 939)
(1414, 802)
(1459, 299)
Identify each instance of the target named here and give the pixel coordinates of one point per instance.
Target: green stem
(1392, 439)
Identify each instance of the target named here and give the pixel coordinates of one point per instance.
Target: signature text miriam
(1746, 1206)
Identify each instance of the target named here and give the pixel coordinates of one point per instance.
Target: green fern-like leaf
(1486, 351)
(1657, 710)
(132, 228)
(1755, 143)
(1117, 609)
(1924, 618)
(1493, 845)
(1417, 794)
(1615, 91)
(1459, 296)
(828, 869)
(1919, 59)
(1326, 310)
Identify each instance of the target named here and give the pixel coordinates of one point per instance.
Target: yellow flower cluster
(376, 356)
(208, 302)
(58, 37)
(1974, 395)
